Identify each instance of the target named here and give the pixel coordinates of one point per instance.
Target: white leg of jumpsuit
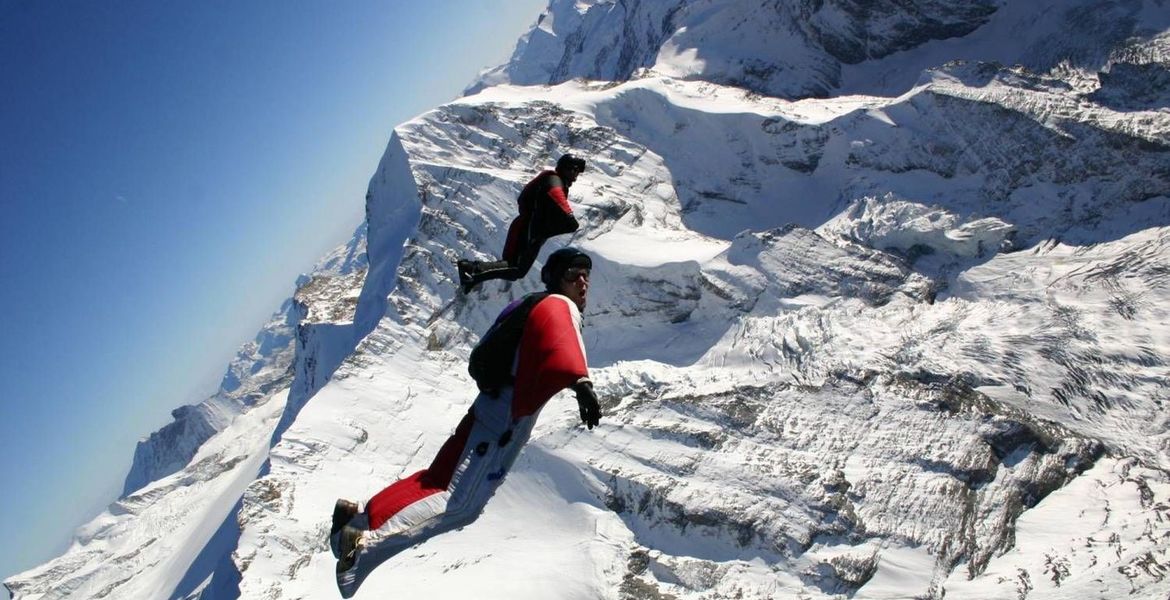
(483, 463)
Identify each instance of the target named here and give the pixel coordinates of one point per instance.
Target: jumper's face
(575, 285)
(568, 174)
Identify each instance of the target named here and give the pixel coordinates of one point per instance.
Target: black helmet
(570, 161)
(560, 261)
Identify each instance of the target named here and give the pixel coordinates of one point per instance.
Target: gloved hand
(587, 402)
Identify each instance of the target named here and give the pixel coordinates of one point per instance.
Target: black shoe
(467, 270)
(343, 512)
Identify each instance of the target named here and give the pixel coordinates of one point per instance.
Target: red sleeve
(557, 193)
(551, 355)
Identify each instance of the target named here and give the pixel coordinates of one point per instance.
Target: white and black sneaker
(351, 541)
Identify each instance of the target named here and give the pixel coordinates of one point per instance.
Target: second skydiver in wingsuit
(543, 212)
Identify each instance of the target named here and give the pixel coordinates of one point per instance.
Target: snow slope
(145, 544)
(905, 340)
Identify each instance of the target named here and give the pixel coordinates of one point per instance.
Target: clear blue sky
(167, 169)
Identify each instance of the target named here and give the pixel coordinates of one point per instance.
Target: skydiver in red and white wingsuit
(543, 212)
(549, 356)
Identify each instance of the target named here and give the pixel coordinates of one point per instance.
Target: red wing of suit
(472, 463)
(551, 356)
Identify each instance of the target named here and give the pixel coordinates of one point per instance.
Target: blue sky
(167, 169)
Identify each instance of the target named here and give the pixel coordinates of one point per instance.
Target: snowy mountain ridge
(905, 342)
(261, 367)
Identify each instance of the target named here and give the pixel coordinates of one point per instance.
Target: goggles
(572, 273)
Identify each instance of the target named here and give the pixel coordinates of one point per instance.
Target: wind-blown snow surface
(908, 342)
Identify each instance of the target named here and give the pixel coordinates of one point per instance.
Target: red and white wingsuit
(454, 489)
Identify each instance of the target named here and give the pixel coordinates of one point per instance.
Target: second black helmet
(571, 161)
(560, 261)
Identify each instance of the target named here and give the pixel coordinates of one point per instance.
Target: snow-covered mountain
(261, 367)
(872, 315)
(175, 523)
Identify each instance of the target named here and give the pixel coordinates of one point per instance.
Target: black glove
(587, 402)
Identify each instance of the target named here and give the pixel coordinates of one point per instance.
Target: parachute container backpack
(491, 360)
